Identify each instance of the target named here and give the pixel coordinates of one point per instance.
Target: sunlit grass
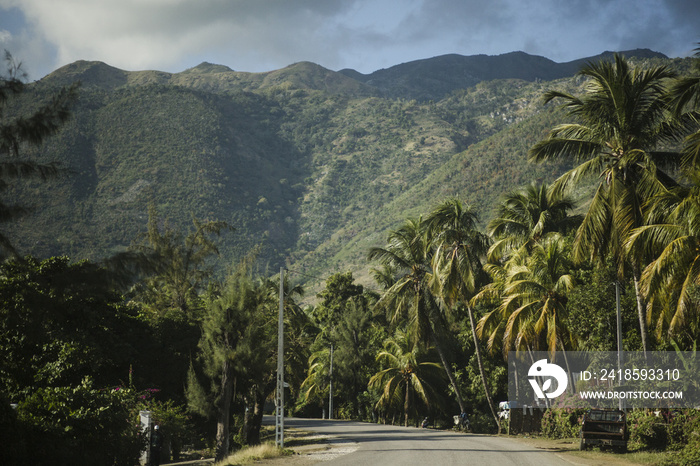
(249, 455)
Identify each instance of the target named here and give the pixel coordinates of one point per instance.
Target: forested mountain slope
(311, 164)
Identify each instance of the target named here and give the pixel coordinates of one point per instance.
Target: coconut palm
(408, 372)
(527, 214)
(621, 118)
(317, 382)
(410, 299)
(492, 324)
(530, 295)
(457, 265)
(685, 99)
(535, 298)
(672, 279)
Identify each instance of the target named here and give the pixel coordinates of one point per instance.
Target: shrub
(174, 425)
(562, 422)
(683, 425)
(684, 436)
(647, 431)
(688, 456)
(80, 425)
(482, 423)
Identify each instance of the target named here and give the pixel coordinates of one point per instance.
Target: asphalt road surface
(376, 444)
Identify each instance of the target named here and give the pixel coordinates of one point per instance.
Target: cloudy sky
(366, 35)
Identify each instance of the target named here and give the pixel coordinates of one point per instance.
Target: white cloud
(261, 35)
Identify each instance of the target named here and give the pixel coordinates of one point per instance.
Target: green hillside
(311, 164)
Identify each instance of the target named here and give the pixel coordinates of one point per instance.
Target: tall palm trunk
(406, 403)
(641, 309)
(572, 381)
(477, 351)
(448, 368)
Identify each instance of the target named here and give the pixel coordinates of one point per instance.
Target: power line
(304, 274)
(367, 288)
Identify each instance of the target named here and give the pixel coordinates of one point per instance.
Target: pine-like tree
(17, 131)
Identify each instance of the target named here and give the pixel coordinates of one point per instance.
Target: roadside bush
(483, 423)
(345, 411)
(684, 437)
(562, 422)
(647, 431)
(683, 426)
(689, 455)
(174, 424)
(80, 425)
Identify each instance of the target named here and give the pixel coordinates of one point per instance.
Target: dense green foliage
(313, 165)
(311, 168)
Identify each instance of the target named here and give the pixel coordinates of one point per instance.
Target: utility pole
(621, 404)
(330, 388)
(279, 412)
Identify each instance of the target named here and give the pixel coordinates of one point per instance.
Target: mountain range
(314, 166)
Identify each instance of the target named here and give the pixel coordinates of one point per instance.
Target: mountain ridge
(440, 75)
(310, 164)
(424, 79)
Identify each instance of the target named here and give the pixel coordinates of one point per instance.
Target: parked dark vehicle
(606, 427)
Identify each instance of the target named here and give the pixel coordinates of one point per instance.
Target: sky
(365, 35)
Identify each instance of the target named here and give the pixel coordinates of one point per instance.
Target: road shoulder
(568, 450)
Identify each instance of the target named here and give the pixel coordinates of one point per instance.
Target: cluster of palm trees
(626, 122)
(436, 265)
(644, 215)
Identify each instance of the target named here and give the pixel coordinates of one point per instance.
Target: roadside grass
(650, 458)
(269, 450)
(249, 455)
(655, 458)
(569, 446)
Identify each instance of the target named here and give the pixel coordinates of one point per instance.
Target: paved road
(393, 445)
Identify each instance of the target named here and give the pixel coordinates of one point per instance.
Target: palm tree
(529, 293)
(671, 238)
(457, 265)
(525, 217)
(407, 372)
(673, 277)
(317, 382)
(527, 214)
(410, 299)
(685, 98)
(535, 298)
(622, 117)
(492, 325)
